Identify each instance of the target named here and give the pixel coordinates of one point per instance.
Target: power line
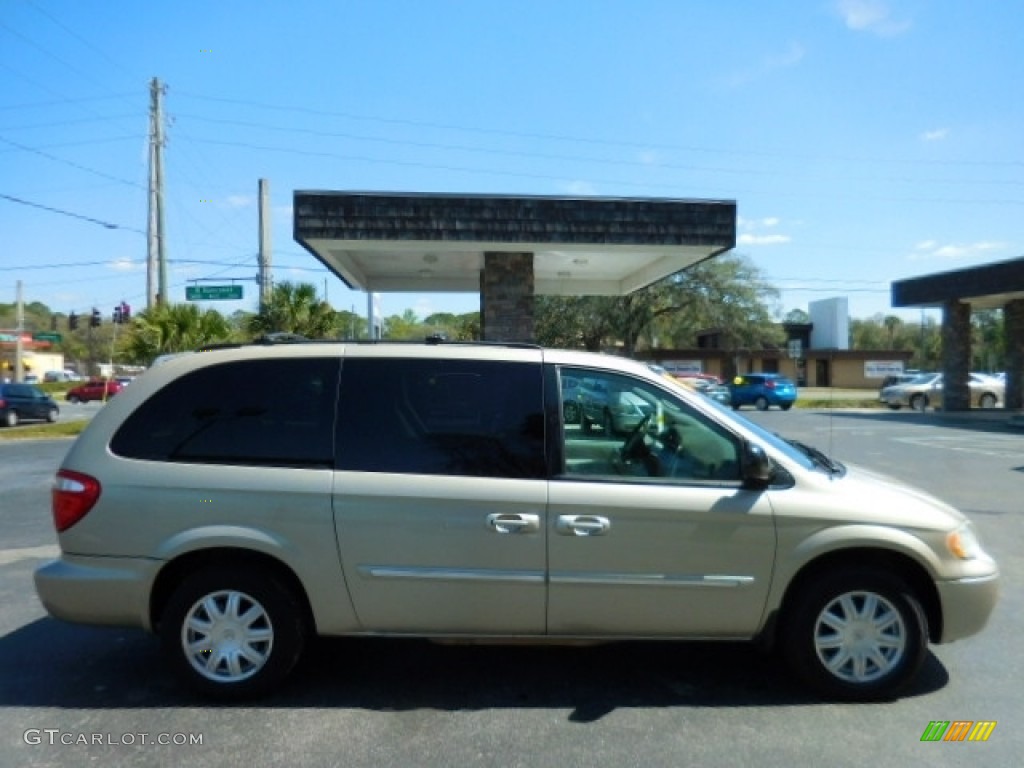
(589, 140)
(105, 224)
(71, 163)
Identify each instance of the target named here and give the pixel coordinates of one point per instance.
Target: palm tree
(294, 308)
(168, 328)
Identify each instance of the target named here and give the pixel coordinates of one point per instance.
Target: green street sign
(213, 292)
(46, 337)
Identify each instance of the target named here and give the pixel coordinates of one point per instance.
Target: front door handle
(503, 522)
(582, 525)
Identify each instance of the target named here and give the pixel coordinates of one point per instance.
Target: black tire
(895, 406)
(52, 414)
(11, 418)
(919, 402)
(870, 602)
(785, 406)
(586, 424)
(761, 403)
(988, 400)
(276, 625)
(74, 399)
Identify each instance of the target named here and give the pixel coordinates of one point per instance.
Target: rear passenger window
(264, 412)
(441, 417)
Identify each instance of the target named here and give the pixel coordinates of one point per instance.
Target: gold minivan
(239, 501)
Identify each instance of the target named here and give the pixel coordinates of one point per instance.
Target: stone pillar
(506, 297)
(956, 355)
(1013, 330)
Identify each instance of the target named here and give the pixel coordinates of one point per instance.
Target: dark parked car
(762, 390)
(21, 402)
(96, 389)
(616, 411)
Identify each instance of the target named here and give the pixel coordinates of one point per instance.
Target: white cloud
(124, 264)
(762, 239)
(934, 251)
(935, 135)
(754, 234)
(580, 188)
(788, 58)
(239, 201)
(871, 16)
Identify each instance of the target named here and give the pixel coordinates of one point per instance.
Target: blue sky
(863, 140)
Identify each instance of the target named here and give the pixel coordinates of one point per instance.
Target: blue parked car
(762, 390)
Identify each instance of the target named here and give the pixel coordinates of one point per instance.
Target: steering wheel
(635, 441)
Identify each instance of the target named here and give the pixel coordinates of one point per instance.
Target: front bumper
(967, 605)
(98, 590)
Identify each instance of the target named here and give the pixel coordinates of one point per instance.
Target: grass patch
(37, 431)
(838, 403)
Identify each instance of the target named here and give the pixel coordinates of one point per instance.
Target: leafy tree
(350, 325)
(456, 327)
(727, 293)
(294, 308)
(403, 327)
(797, 317)
(168, 328)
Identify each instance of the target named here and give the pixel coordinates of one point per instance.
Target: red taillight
(74, 494)
(769, 384)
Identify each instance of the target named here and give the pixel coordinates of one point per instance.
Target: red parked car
(95, 389)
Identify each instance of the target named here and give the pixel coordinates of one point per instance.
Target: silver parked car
(926, 390)
(239, 501)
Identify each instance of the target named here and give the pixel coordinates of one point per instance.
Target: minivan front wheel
(232, 635)
(856, 635)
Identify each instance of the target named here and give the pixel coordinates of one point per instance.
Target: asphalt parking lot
(384, 703)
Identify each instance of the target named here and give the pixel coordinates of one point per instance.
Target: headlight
(963, 542)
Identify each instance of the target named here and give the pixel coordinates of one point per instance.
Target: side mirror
(757, 467)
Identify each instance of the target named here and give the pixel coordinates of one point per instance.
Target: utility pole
(264, 277)
(156, 262)
(19, 366)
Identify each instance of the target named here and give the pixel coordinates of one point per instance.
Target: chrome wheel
(855, 633)
(860, 637)
(227, 636)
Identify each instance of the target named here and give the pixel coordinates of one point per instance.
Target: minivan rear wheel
(232, 635)
(856, 635)
(761, 403)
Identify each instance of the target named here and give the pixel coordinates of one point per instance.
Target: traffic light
(96, 320)
(72, 322)
(122, 313)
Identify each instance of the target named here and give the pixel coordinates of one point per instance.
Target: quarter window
(264, 412)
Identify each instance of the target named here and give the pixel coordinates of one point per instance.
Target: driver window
(617, 427)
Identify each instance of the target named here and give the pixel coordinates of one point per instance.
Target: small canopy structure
(508, 248)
